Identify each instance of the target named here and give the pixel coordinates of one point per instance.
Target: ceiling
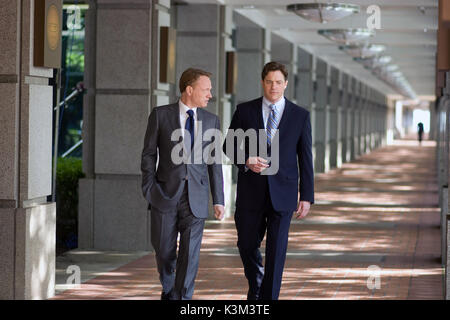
(408, 30)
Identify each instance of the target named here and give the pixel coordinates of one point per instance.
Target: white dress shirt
(266, 110)
(184, 116)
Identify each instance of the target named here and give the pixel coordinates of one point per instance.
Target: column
(321, 161)
(112, 211)
(357, 122)
(226, 101)
(250, 43)
(432, 109)
(363, 119)
(344, 111)
(27, 219)
(372, 118)
(351, 120)
(283, 51)
(446, 205)
(304, 88)
(198, 40)
(333, 116)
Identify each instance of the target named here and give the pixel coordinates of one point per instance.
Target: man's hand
(219, 211)
(302, 209)
(256, 164)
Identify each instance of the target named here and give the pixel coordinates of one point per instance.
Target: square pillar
(27, 219)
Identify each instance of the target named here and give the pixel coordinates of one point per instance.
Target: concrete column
(333, 116)
(304, 87)
(112, 211)
(384, 124)
(374, 124)
(373, 118)
(369, 121)
(363, 119)
(357, 122)
(198, 40)
(391, 123)
(384, 105)
(283, 51)
(351, 120)
(343, 111)
(226, 101)
(443, 113)
(408, 119)
(446, 203)
(161, 93)
(251, 53)
(321, 160)
(432, 108)
(27, 220)
(200, 45)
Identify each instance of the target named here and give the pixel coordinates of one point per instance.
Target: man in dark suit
(266, 202)
(177, 192)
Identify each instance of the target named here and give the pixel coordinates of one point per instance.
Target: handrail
(65, 154)
(78, 89)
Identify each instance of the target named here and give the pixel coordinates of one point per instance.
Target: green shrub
(68, 172)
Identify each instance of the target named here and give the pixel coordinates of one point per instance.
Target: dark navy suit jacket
(295, 160)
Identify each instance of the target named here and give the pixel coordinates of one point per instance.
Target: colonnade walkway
(374, 233)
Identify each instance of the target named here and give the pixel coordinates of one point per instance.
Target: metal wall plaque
(47, 33)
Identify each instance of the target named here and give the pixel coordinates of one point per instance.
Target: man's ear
(285, 86)
(189, 90)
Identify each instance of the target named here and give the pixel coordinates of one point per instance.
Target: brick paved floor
(375, 216)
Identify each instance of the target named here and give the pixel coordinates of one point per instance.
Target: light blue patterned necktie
(272, 123)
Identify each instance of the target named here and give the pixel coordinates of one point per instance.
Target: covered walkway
(373, 234)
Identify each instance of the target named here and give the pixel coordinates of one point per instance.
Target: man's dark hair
(274, 66)
(191, 75)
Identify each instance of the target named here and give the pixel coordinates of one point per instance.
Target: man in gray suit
(177, 193)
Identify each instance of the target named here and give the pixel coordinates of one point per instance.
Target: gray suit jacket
(162, 186)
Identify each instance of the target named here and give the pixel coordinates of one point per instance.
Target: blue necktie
(272, 124)
(190, 125)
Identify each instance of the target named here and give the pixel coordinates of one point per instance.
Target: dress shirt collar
(184, 108)
(279, 104)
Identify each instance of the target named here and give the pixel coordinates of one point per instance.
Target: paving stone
(375, 218)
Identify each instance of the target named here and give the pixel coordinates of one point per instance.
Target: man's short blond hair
(191, 75)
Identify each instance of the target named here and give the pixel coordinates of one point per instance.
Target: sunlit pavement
(372, 234)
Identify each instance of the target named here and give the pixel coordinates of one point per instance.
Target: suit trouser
(177, 275)
(264, 282)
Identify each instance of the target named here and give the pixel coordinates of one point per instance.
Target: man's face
(201, 92)
(274, 85)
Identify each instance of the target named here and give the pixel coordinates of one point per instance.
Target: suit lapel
(174, 121)
(286, 114)
(201, 119)
(259, 114)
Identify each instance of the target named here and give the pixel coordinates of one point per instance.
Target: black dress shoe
(252, 296)
(166, 296)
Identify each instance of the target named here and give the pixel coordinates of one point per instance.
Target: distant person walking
(420, 132)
